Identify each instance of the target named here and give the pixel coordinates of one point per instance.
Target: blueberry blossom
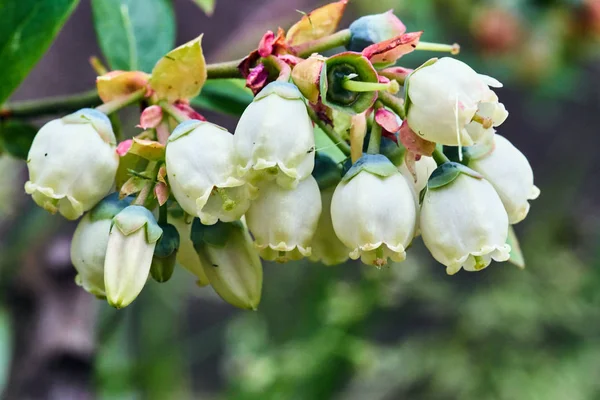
(463, 222)
(451, 104)
(373, 211)
(199, 158)
(72, 163)
(89, 243)
(283, 221)
(133, 235)
(274, 137)
(509, 172)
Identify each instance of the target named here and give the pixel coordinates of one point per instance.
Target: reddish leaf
(414, 143)
(389, 51)
(151, 117)
(388, 120)
(116, 84)
(161, 191)
(162, 174)
(184, 106)
(123, 147)
(257, 78)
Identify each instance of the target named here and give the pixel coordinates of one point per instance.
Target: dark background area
(347, 332)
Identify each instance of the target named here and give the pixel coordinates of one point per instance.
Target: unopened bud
(165, 253)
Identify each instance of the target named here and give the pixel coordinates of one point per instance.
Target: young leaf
(516, 255)
(28, 27)
(227, 96)
(208, 6)
(181, 73)
(134, 34)
(316, 24)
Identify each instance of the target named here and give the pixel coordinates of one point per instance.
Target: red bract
(389, 51)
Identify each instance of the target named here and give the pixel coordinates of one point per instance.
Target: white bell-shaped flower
(274, 137)
(423, 169)
(283, 221)
(201, 173)
(373, 211)
(131, 243)
(451, 104)
(88, 246)
(509, 172)
(464, 224)
(326, 247)
(72, 163)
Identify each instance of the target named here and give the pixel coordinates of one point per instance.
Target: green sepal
(447, 173)
(188, 126)
(108, 207)
(407, 103)
(98, 119)
(469, 153)
(134, 218)
(333, 74)
(375, 164)
(516, 255)
(285, 90)
(165, 254)
(326, 171)
(422, 194)
(215, 235)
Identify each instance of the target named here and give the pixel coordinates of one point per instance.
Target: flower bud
(165, 253)
(132, 239)
(509, 172)
(72, 163)
(325, 245)
(423, 169)
(88, 246)
(231, 262)
(372, 29)
(450, 104)
(274, 137)
(283, 221)
(373, 211)
(200, 168)
(464, 224)
(186, 255)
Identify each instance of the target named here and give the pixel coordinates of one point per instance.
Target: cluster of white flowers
(263, 192)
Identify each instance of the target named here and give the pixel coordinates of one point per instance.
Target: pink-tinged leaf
(415, 143)
(389, 51)
(132, 186)
(184, 106)
(148, 149)
(397, 73)
(257, 78)
(388, 120)
(151, 117)
(316, 24)
(290, 59)
(358, 131)
(161, 191)
(181, 73)
(117, 84)
(162, 132)
(123, 147)
(265, 46)
(162, 174)
(306, 77)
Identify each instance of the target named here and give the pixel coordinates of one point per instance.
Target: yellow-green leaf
(316, 24)
(181, 73)
(208, 6)
(148, 149)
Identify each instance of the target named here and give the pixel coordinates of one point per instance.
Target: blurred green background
(345, 332)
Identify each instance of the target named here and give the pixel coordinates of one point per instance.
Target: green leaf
(134, 34)
(16, 138)
(28, 28)
(208, 6)
(227, 96)
(516, 255)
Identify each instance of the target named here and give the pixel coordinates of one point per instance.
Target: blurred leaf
(28, 28)
(516, 255)
(5, 347)
(120, 83)
(227, 96)
(134, 34)
(208, 6)
(128, 162)
(16, 137)
(181, 73)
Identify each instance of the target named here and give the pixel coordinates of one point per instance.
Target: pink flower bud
(151, 117)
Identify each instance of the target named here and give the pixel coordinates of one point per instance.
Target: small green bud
(165, 254)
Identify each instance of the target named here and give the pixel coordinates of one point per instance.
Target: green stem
(439, 156)
(331, 134)
(162, 214)
(228, 69)
(375, 139)
(150, 172)
(358, 86)
(173, 111)
(51, 105)
(338, 39)
(122, 102)
(274, 63)
(447, 48)
(393, 103)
